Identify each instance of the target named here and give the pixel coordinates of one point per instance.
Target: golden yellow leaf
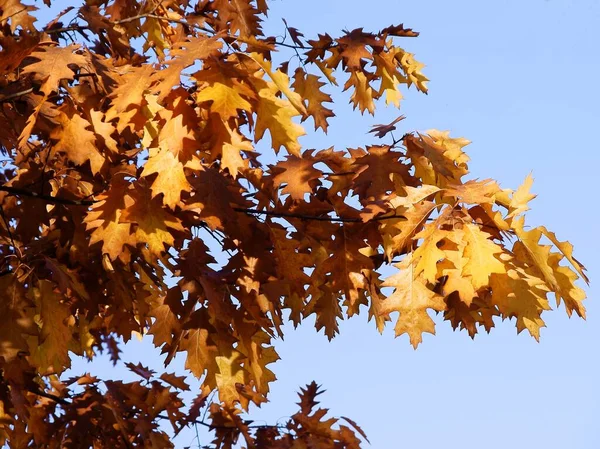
(520, 296)
(170, 181)
(282, 82)
(77, 141)
(411, 298)
(275, 114)
(482, 256)
(226, 94)
(520, 198)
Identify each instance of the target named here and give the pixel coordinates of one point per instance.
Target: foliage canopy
(133, 133)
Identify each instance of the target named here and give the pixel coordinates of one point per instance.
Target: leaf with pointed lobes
(411, 299)
(275, 114)
(473, 192)
(155, 224)
(141, 370)
(412, 210)
(183, 54)
(387, 70)
(170, 180)
(295, 34)
(309, 88)
(382, 130)
(520, 198)
(104, 221)
(399, 30)
(298, 175)
(53, 66)
(353, 48)
(558, 279)
(412, 69)
(362, 93)
(433, 159)
(375, 172)
(482, 256)
(75, 139)
(326, 306)
(518, 295)
(346, 268)
(282, 82)
(226, 94)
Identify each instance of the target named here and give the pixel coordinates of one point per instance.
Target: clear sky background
(520, 79)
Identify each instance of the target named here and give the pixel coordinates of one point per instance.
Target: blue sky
(519, 79)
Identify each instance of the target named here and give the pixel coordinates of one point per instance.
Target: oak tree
(136, 134)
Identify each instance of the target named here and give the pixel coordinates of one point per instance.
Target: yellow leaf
(539, 254)
(520, 296)
(572, 295)
(428, 254)
(519, 200)
(481, 254)
(411, 298)
(229, 374)
(452, 268)
(282, 82)
(170, 181)
(412, 69)
(226, 94)
(77, 141)
(276, 114)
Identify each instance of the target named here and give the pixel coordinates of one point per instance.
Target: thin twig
(211, 426)
(8, 97)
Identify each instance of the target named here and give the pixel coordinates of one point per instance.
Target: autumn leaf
(276, 115)
(77, 141)
(155, 225)
(226, 95)
(523, 297)
(170, 180)
(520, 198)
(309, 87)
(51, 352)
(482, 256)
(282, 81)
(298, 175)
(53, 66)
(411, 299)
(362, 92)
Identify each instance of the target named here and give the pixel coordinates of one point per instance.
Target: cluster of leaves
(131, 135)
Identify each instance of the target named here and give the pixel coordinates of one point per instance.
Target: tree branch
(269, 213)
(248, 211)
(210, 426)
(48, 198)
(48, 396)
